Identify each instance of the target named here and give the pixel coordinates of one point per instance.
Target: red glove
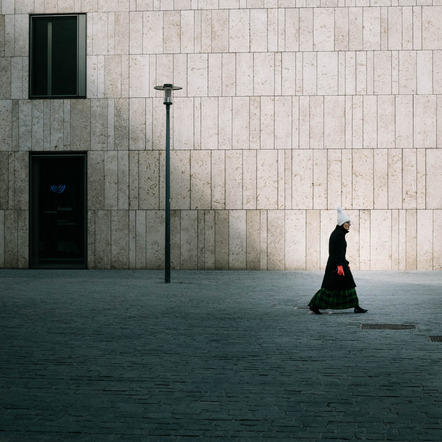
(341, 271)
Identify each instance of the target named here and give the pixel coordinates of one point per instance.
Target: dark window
(57, 56)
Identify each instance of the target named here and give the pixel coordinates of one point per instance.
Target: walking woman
(338, 286)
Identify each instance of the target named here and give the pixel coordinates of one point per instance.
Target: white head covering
(342, 217)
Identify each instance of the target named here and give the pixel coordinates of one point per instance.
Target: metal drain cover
(388, 326)
(435, 338)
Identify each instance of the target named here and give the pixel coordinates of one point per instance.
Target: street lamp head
(168, 88)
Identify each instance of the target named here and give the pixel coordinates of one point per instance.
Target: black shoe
(360, 309)
(315, 310)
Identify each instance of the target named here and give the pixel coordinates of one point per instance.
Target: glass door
(58, 210)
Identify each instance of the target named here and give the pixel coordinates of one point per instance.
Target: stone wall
(289, 108)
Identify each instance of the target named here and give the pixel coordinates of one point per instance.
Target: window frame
(80, 60)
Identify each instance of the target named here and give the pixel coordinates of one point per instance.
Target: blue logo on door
(58, 189)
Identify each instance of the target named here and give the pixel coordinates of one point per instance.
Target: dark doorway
(58, 210)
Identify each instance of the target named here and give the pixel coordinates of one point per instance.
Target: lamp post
(167, 88)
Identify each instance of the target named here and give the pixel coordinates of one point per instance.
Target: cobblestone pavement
(121, 356)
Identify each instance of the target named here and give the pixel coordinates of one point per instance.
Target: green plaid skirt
(335, 299)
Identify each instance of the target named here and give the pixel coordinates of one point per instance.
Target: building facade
(289, 108)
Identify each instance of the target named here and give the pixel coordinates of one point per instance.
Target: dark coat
(337, 247)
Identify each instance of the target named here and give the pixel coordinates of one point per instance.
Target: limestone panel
(363, 179)
(121, 124)
(409, 170)
(404, 121)
(21, 181)
(309, 73)
(267, 123)
(229, 74)
(437, 239)
(380, 179)
(386, 122)
(123, 180)
(249, 180)
(411, 238)
(153, 26)
(341, 29)
(357, 125)
(264, 68)
(439, 122)
(319, 179)
(334, 178)
(313, 239)
(189, 239)
(253, 237)
(237, 239)
(11, 239)
(421, 178)
(316, 122)
(4, 180)
(353, 240)
(424, 72)
(302, 179)
(234, 179)
(240, 123)
(355, 28)
(139, 68)
(102, 239)
(292, 29)
(431, 27)
(288, 73)
(186, 127)
(172, 44)
(119, 239)
(424, 240)
(267, 183)
(364, 239)
(155, 239)
(209, 240)
(215, 75)
(180, 180)
(328, 224)
(334, 122)
(394, 26)
(239, 25)
(304, 122)
(80, 124)
(283, 118)
(395, 179)
(220, 31)
(200, 180)
(99, 120)
(96, 180)
(225, 123)
(137, 124)
(434, 179)
(380, 240)
(218, 170)
(276, 241)
(111, 180)
(5, 125)
(306, 29)
(264, 240)
(323, 29)
(370, 122)
(197, 75)
(222, 239)
(424, 121)
(437, 72)
(295, 239)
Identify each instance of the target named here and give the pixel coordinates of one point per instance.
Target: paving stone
(119, 355)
